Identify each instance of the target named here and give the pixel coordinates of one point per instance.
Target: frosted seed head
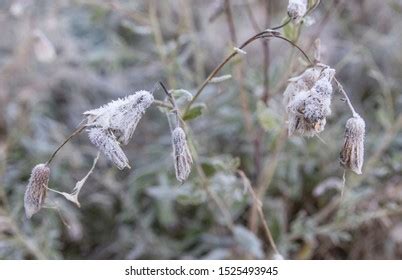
(328, 73)
(308, 100)
(355, 127)
(307, 114)
(181, 154)
(127, 120)
(36, 191)
(323, 88)
(307, 79)
(352, 154)
(297, 9)
(314, 109)
(106, 142)
(121, 116)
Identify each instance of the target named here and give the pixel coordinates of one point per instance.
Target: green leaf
(208, 168)
(194, 112)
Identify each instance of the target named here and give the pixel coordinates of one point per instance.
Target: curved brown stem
(283, 24)
(77, 131)
(340, 87)
(262, 35)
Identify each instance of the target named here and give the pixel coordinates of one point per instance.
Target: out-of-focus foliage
(61, 58)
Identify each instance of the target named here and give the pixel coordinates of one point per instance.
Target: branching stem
(268, 33)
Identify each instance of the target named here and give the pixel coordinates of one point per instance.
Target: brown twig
(265, 177)
(269, 33)
(258, 205)
(77, 131)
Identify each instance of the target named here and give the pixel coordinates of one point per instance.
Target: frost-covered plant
(107, 143)
(307, 99)
(181, 154)
(114, 124)
(121, 116)
(352, 154)
(36, 191)
(297, 9)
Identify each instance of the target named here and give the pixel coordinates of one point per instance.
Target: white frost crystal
(308, 100)
(352, 154)
(114, 123)
(297, 9)
(181, 154)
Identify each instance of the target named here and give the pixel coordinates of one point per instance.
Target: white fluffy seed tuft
(297, 9)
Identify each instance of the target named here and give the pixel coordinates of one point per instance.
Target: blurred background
(61, 58)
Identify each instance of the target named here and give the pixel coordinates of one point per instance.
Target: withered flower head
(352, 154)
(36, 191)
(181, 154)
(106, 142)
(310, 103)
(122, 115)
(303, 82)
(297, 9)
(114, 124)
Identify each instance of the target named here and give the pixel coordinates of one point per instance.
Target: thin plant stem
(340, 87)
(162, 104)
(169, 95)
(262, 35)
(258, 204)
(173, 102)
(77, 131)
(204, 182)
(286, 22)
(265, 178)
(231, 25)
(266, 52)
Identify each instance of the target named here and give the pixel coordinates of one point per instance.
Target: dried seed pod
(317, 105)
(310, 102)
(303, 82)
(316, 108)
(122, 115)
(297, 9)
(352, 154)
(36, 191)
(106, 142)
(181, 154)
(126, 120)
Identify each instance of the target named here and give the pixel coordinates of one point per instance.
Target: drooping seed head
(303, 82)
(122, 115)
(308, 98)
(36, 191)
(297, 9)
(106, 142)
(352, 154)
(181, 154)
(316, 108)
